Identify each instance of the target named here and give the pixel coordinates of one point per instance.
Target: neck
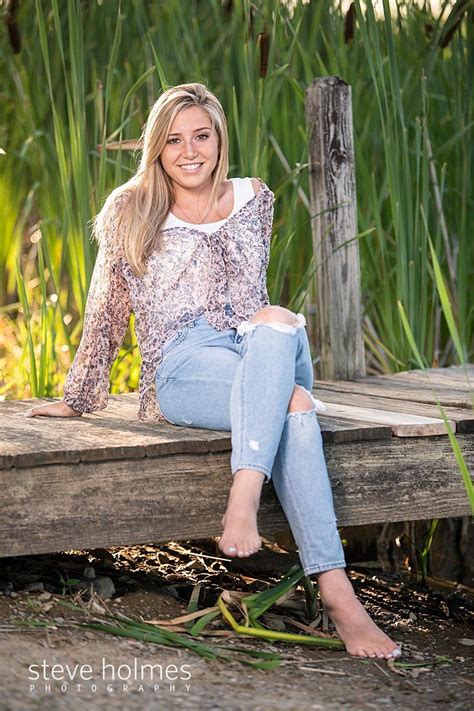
(197, 197)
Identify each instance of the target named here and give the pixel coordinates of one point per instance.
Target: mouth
(191, 167)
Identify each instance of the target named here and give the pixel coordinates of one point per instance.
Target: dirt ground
(155, 582)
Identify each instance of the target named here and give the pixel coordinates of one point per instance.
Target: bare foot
(357, 630)
(240, 536)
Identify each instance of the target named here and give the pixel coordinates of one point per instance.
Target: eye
(201, 135)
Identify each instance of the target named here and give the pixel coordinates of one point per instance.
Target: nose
(189, 150)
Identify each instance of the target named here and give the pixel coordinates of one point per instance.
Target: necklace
(201, 220)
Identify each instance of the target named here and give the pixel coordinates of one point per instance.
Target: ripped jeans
(241, 380)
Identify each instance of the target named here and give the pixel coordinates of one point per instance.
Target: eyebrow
(196, 129)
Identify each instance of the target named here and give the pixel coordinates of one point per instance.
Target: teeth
(192, 166)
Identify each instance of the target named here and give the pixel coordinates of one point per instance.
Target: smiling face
(192, 148)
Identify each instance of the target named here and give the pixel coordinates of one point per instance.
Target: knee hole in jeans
(301, 400)
(250, 326)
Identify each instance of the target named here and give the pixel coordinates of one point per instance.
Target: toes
(395, 653)
(241, 551)
(356, 652)
(230, 550)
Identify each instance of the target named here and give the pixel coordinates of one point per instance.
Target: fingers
(56, 409)
(38, 413)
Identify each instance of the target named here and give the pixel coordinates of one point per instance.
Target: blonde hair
(149, 192)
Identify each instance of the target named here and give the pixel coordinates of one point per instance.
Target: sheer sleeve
(106, 319)
(266, 211)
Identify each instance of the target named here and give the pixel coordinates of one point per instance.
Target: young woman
(187, 250)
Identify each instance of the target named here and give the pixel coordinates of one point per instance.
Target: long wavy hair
(148, 195)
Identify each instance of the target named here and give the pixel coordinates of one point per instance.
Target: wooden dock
(108, 479)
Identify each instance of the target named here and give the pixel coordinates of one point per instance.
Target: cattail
(264, 42)
(349, 24)
(12, 27)
(458, 10)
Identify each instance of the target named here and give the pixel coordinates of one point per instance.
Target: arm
(266, 209)
(106, 319)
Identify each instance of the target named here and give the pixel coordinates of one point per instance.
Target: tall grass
(87, 75)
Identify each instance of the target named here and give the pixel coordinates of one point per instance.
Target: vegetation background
(77, 79)
(76, 76)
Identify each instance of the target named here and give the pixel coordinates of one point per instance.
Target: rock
(89, 573)
(102, 586)
(35, 587)
(44, 597)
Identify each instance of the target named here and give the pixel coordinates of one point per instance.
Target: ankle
(241, 503)
(247, 485)
(249, 477)
(336, 588)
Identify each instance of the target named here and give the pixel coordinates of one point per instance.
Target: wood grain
(399, 390)
(109, 479)
(115, 434)
(462, 419)
(182, 496)
(328, 113)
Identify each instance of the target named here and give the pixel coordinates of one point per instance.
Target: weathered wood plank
(433, 382)
(401, 424)
(115, 433)
(95, 437)
(463, 418)
(373, 387)
(328, 114)
(59, 507)
(337, 429)
(459, 374)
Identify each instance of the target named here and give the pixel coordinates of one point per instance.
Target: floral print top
(221, 275)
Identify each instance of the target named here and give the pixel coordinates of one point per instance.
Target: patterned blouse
(221, 275)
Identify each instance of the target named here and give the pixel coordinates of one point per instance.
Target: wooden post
(334, 221)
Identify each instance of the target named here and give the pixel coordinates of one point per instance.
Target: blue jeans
(241, 380)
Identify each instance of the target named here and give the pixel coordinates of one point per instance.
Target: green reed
(87, 75)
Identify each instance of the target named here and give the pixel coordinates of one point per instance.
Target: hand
(53, 409)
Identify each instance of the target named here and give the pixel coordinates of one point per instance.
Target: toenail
(232, 549)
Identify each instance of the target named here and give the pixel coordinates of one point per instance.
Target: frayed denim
(241, 380)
